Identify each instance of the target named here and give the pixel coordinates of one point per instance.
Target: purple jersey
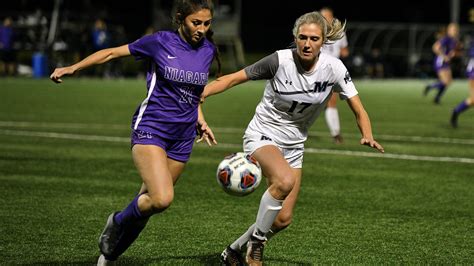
(470, 63)
(176, 78)
(447, 44)
(471, 47)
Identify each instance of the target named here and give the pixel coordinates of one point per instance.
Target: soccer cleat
(427, 89)
(230, 257)
(338, 139)
(129, 234)
(254, 255)
(110, 237)
(454, 119)
(102, 261)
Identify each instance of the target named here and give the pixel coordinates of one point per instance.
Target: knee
(284, 184)
(160, 203)
(446, 83)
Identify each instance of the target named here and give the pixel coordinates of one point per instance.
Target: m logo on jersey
(320, 87)
(347, 77)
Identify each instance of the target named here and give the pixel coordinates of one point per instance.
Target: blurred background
(386, 38)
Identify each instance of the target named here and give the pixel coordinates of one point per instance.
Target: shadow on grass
(209, 259)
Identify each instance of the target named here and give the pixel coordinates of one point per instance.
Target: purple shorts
(470, 69)
(440, 64)
(178, 150)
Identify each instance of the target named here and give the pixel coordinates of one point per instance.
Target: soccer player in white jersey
(338, 48)
(299, 83)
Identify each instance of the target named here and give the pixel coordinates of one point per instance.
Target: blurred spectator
(7, 53)
(375, 64)
(101, 40)
(357, 65)
(100, 35)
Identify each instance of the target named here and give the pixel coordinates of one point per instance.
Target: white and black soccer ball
(239, 174)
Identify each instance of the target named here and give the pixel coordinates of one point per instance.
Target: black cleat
(454, 119)
(230, 257)
(426, 90)
(102, 261)
(110, 237)
(338, 139)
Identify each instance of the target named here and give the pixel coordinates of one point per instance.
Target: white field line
(239, 146)
(223, 130)
(419, 139)
(56, 135)
(60, 125)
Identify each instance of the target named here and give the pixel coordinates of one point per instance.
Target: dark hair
(184, 8)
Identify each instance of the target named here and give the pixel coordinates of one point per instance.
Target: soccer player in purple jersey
(465, 104)
(445, 48)
(164, 124)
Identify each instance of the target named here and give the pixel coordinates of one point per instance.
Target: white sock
(267, 212)
(243, 239)
(241, 242)
(332, 119)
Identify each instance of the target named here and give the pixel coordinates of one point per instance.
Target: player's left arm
(363, 122)
(224, 82)
(204, 131)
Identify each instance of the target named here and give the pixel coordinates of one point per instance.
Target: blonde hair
(331, 31)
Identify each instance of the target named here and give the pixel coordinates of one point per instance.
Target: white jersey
(293, 98)
(334, 48)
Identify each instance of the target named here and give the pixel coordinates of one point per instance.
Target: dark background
(277, 22)
(265, 25)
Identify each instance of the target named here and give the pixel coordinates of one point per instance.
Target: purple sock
(441, 88)
(461, 107)
(129, 214)
(130, 234)
(439, 85)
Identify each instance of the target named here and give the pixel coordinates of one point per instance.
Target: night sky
(277, 23)
(266, 24)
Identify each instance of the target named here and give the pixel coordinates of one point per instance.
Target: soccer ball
(239, 174)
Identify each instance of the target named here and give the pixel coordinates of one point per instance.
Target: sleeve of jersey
(265, 68)
(143, 47)
(346, 87)
(344, 42)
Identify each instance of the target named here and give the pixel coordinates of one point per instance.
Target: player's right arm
(96, 58)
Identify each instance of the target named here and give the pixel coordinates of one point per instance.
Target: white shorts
(294, 156)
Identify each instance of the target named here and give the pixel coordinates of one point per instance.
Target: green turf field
(65, 165)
